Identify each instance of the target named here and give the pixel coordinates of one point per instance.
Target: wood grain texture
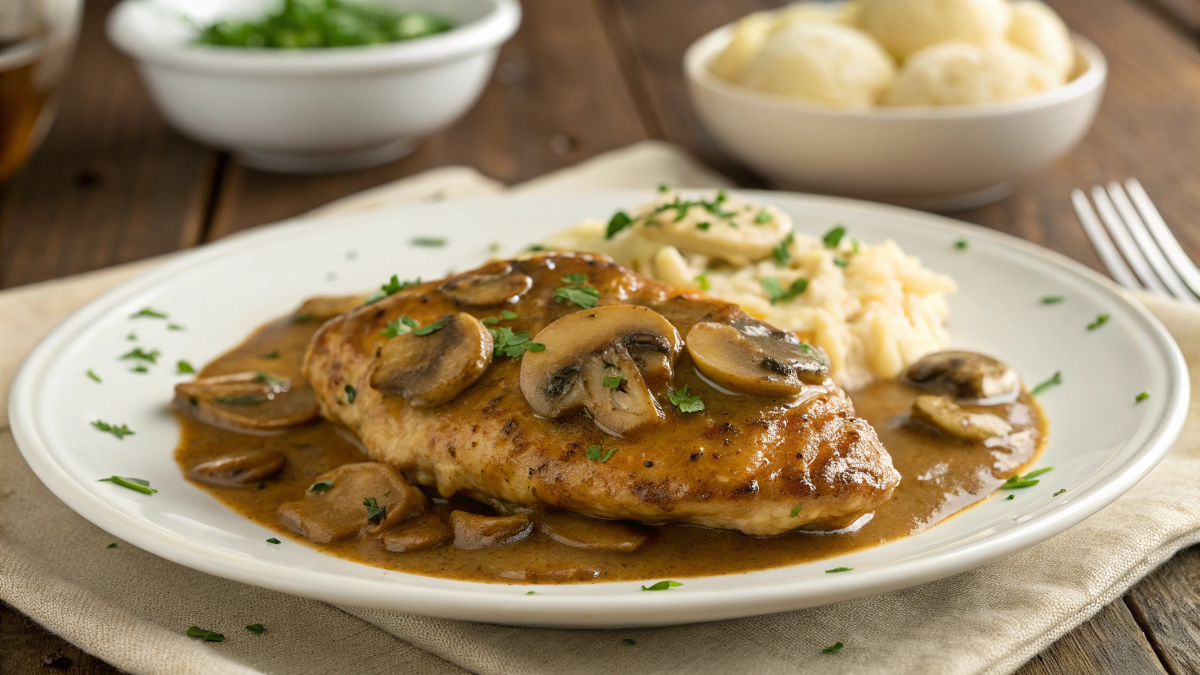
(24, 646)
(1109, 642)
(111, 184)
(1167, 605)
(557, 97)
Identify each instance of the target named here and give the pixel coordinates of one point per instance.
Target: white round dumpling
(905, 26)
(749, 34)
(957, 73)
(1039, 31)
(822, 62)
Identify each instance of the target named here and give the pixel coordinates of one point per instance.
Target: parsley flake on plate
(256, 628)
(628, 642)
(96, 378)
(834, 237)
(783, 252)
(135, 484)
(1053, 381)
(174, 326)
(961, 244)
(1140, 397)
(1028, 480)
(1010, 497)
(662, 586)
(321, 486)
(428, 241)
(1053, 299)
(776, 293)
(139, 354)
(599, 454)
(183, 367)
(837, 647)
(272, 540)
(1059, 492)
(148, 313)
(839, 569)
(119, 431)
(685, 403)
(112, 545)
(1101, 319)
(205, 635)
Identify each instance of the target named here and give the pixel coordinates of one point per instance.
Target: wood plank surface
(111, 184)
(535, 116)
(1167, 605)
(1108, 643)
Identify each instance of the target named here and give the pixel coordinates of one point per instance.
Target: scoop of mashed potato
(906, 26)
(957, 73)
(823, 62)
(750, 33)
(1038, 30)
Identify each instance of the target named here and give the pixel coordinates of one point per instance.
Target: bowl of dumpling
(934, 104)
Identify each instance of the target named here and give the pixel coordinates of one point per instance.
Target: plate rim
(500, 602)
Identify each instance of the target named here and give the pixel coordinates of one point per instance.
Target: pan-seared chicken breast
(625, 399)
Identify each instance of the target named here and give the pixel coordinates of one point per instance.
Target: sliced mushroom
(966, 375)
(749, 357)
(323, 308)
(341, 510)
(472, 532)
(251, 400)
(241, 469)
(632, 343)
(590, 533)
(431, 369)
(424, 531)
(951, 418)
(479, 290)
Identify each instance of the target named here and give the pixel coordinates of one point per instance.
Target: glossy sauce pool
(940, 476)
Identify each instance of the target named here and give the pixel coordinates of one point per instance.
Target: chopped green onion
(1101, 319)
(256, 628)
(272, 540)
(662, 586)
(1053, 299)
(93, 376)
(135, 484)
(149, 313)
(1054, 381)
(321, 486)
(838, 569)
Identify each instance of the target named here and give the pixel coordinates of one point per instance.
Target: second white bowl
(934, 158)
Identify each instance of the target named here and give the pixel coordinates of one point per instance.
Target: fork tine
(1116, 228)
(1162, 234)
(1141, 236)
(1104, 246)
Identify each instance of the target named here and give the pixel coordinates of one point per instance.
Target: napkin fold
(131, 608)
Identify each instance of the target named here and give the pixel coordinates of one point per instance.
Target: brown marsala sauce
(940, 476)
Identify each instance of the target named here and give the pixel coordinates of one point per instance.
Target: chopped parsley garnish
(94, 377)
(1010, 497)
(685, 403)
(837, 647)
(131, 337)
(795, 510)
(135, 484)
(702, 281)
(392, 287)
(139, 368)
(962, 244)
(834, 237)
(1037, 472)
(704, 226)
(183, 367)
(141, 355)
(149, 313)
(1053, 299)
(1059, 492)
(578, 293)
(628, 642)
(776, 293)
(613, 382)
(662, 586)
(397, 327)
(505, 342)
(256, 628)
(1028, 480)
(271, 355)
(1101, 319)
(174, 326)
(505, 315)
(663, 187)
(321, 486)
(375, 512)
(302, 317)
(838, 569)
(428, 241)
(1140, 397)
(782, 252)
(351, 393)
(243, 399)
(206, 635)
(1054, 381)
(112, 545)
(272, 540)
(854, 247)
(763, 217)
(531, 593)
(536, 247)
(429, 327)
(599, 454)
(118, 431)
(618, 222)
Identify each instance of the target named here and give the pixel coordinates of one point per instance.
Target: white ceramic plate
(1101, 441)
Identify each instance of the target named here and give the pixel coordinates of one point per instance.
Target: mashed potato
(957, 73)
(905, 26)
(1038, 30)
(872, 308)
(824, 62)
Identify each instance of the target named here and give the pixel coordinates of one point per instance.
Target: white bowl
(311, 110)
(935, 158)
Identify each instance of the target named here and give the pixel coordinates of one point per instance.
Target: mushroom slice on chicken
(240, 469)
(590, 533)
(604, 360)
(951, 418)
(247, 401)
(481, 290)
(428, 368)
(424, 531)
(473, 531)
(750, 357)
(965, 375)
(364, 497)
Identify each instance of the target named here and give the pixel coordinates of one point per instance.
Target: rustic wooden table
(113, 184)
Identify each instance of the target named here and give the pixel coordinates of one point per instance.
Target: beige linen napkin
(131, 608)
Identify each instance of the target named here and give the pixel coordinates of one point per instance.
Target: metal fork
(1158, 262)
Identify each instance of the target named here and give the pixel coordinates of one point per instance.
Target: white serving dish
(935, 158)
(1101, 441)
(311, 110)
